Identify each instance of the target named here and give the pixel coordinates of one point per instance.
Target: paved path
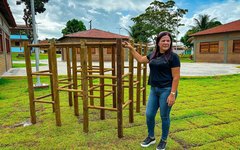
(187, 69)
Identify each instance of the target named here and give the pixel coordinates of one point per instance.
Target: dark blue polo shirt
(160, 70)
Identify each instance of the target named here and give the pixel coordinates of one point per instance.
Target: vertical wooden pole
(55, 84)
(101, 65)
(130, 90)
(84, 82)
(119, 88)
(30, 83)
(51, 78)
(139, 82)
(75, 84)
(145, 77)
(113, 74)
(123, 59)
(90, 73)
(69, 75)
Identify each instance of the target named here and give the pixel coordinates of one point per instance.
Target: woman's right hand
(127, 45)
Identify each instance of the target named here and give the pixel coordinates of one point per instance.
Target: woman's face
(164, 43)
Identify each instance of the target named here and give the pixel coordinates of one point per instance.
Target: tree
(185, 39)
(202, 23)
(27, 17)
(160, 16)
(73, 26)
(137, 33)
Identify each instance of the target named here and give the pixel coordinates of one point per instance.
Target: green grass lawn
(20, 65)
(185, 58)
(41, 56)
(205, 116)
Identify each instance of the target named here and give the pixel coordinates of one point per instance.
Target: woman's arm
(176, 77)
(136, 55)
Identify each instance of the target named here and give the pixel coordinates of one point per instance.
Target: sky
(115, 15)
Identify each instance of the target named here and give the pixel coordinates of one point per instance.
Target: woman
(164, 78)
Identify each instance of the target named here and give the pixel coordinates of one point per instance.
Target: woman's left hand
(171, 99)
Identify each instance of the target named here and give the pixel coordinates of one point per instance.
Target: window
(236, 46)
(209, 47)
(109, 50)
(17, 43)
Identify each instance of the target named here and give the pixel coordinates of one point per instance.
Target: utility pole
(90, 23)
(35, 41)
(119, 30)
(38, 82)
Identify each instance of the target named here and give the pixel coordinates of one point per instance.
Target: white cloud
(72, 4)
(225, 12)
(113, 5)
(119, 13)
(17, 11)
(93, 11)
(110, 15)
(125, 21)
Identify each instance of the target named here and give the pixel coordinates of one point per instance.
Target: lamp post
(176, 9)
(38, 82)
(35, 41)
(119, 30)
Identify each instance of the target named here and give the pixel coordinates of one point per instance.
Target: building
(6, 21)
(18, 36)
(93, 35)
(17, 43)
(220, 44)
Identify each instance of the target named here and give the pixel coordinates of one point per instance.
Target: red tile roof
(95, 34)
(7, 14)
(229, 27)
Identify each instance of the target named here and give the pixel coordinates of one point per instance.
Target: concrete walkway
(187, 69)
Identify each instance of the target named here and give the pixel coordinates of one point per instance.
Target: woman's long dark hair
(156, 52)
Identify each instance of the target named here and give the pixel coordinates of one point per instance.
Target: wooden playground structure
(79, 80)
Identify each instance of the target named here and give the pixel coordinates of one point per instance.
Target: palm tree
(204, 22)
(137, 33)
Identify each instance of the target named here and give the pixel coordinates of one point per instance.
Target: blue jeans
(158, 99)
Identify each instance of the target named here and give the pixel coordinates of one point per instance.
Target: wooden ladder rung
(102, 108)
(38, 101)
(102, 76)
(69, 90)
(108, 94)
(128, 102)
(142, 89)
(42, 74)
(66, 85)
(44, 96)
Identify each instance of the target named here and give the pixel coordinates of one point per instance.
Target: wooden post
(123, 59)
(90, 73)
(145, 77)
(84, 82)
(69, 75)
(30, 83)
(75, 84)
(55, 84)
(139, 82)
(101, 65)
(113, 74)
(51, 78)
(130, 90)
(119, 88)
